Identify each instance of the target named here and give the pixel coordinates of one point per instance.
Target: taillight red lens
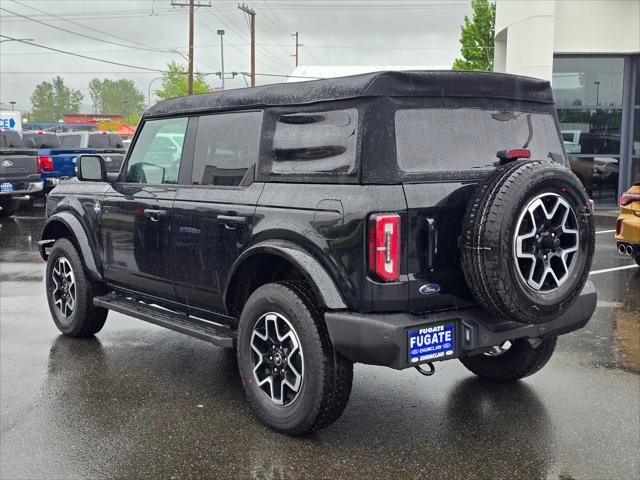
(627, 197)
(45, 163)
(384, 246)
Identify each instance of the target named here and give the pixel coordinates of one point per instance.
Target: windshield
(469, 138)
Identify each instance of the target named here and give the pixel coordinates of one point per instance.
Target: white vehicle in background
(571, 140)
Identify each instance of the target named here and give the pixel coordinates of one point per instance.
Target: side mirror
(90, 168)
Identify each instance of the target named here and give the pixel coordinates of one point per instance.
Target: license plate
(6, 187)
(430, 343)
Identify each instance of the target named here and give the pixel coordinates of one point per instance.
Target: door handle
(154, 215)
(433, 242)
(230, 221)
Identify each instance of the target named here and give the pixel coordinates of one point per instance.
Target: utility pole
(192, 6)
(252, 28)
(221, 33)
(297, 45)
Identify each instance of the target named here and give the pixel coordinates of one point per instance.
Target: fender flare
(317, 276)
(81, 240)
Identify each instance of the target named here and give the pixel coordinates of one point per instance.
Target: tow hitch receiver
(426, 373)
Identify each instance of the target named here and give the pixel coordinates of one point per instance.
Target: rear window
(10, 140)
(105, 140)
(323, 142)
(41, 140)
(70, 141)
(437, 139)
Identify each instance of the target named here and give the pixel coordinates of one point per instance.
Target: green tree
(95, 87)
(116, 97)
(477, 38)
(51, 100)
(175, 83)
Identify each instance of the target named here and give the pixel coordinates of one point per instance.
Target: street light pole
(149, 90)
(13, 104)
(221, 33)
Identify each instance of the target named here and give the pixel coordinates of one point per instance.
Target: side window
(155, 157)
(308, 143)
(227, 146)
(70, 141)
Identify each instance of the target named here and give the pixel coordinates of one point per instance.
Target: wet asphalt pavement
(138, 401)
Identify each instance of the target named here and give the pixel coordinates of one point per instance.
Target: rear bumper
(381, 339)
(24, 189)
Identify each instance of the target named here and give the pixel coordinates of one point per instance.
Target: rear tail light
(627, 197)
(45, 164)
(384, 246)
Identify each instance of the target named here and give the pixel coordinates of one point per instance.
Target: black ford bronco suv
(393, 218)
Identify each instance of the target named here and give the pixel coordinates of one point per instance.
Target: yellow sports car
(628, 224)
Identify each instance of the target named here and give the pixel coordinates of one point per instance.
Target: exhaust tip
(629, 250)
(621, 249)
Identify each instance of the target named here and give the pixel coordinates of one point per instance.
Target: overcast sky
(142, 32)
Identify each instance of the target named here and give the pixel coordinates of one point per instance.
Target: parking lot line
(605, 270)
(606, 231)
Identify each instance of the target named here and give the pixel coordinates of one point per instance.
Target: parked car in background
(107, 144)
(55, 162)
(628, 224)
(19, 173)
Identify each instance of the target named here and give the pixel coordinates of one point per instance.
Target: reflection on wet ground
(138, 401)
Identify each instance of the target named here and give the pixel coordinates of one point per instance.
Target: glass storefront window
(587, 81)
(594, 131)
(636, 132)
(637, 102)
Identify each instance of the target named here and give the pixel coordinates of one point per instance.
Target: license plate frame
(433, 342)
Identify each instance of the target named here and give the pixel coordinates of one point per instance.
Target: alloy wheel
(64, 291)
(277, 358)
(546, 242)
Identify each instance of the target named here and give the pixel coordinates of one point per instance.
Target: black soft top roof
(416, 83)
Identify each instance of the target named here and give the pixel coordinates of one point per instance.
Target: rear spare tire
(527, 241)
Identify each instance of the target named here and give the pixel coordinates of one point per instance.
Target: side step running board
(216, 334)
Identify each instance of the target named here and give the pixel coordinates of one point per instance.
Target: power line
(85, 27)
(76, 33)
(84, 56)
(111, 14)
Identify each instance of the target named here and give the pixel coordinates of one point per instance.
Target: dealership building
(590, 51)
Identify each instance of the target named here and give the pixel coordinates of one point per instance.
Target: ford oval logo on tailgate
(429, 288)
(7, 163)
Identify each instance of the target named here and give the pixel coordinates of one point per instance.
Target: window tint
(323, 142)
(70, 141)
(105, 140)
(11, 140)
(41, 140)
(466, 138)
(155, 158)
(227, 145)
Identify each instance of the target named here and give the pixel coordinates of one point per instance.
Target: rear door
(136, 212)
(444, 153)
(213, 215)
